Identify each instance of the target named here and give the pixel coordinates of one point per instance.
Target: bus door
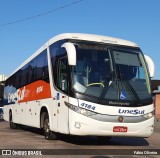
(62, 85)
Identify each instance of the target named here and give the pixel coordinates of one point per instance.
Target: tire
(12, 125)
(48, 134)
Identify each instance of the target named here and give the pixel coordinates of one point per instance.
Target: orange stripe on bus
(35, 91)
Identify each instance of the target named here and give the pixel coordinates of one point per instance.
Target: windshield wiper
(128, 85)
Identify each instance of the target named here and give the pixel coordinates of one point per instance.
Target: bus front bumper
(85, 126)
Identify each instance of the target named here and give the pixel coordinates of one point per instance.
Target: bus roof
(93, 38)
(79, 36)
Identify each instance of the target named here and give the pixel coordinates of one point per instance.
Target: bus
(84, 85)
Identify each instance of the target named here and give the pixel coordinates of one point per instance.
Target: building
(155, 84)
(3, 77)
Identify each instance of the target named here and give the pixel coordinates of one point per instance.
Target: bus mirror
(150, 64)
(71, 53)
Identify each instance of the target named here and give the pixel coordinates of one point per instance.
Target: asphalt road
(26, 138)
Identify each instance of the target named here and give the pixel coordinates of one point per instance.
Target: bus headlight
(79, 110)
(149, 115)
(86, 112)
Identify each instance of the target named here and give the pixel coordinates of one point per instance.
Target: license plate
(120, 129)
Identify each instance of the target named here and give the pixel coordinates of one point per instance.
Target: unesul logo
(17, 96)
(133, 112)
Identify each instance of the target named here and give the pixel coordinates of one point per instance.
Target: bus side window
(31, 70)
(45, 71)
(18, 79)
(24, 76)
(39, 68)
(42, 67)
(62, 74)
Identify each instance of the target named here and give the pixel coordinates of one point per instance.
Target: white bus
(83, 84)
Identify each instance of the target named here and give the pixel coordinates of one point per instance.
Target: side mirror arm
(71, 53)
(150, 64)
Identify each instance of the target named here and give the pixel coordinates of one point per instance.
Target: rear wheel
(11, 123)
(48, 134)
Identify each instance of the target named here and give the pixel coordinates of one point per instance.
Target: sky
(134, 20)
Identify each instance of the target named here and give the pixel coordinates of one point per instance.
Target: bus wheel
(48, 134)
(103, 139)
(11, 123)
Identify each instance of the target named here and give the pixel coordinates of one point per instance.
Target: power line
(42, 14)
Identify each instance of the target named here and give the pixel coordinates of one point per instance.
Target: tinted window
(24, 75)
(18, 79)
(12, 81)
(54, 50)
(42, 66)
(61, 81)
(32, 71)
(36, 69)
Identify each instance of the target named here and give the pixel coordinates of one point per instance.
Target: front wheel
(48, 134)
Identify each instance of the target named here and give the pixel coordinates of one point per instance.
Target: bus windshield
(113, 75)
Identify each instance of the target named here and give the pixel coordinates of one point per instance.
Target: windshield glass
(92, 69)
(113, 75)
(132, 82)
